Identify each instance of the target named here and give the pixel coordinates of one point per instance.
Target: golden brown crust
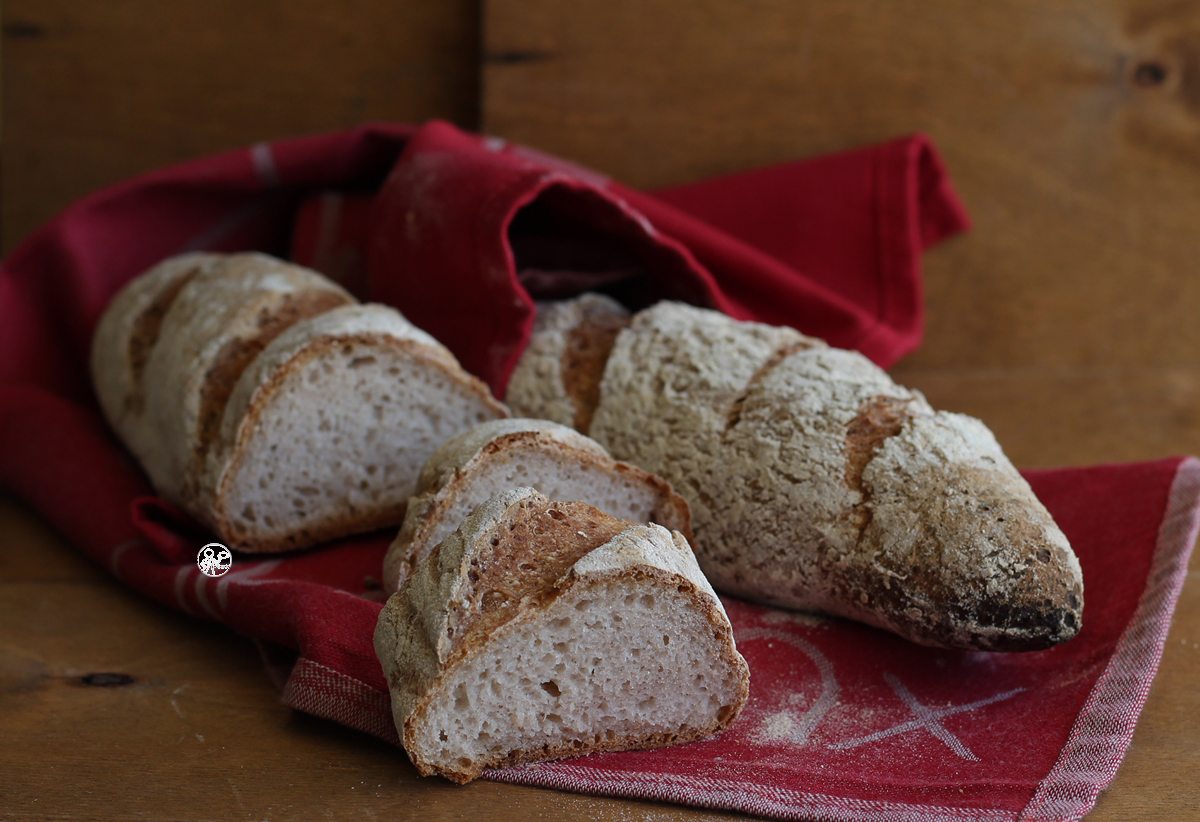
(446, 483)
(878, 418)
(583, 359)
(144, 334)
(534, 549)
(236, 354)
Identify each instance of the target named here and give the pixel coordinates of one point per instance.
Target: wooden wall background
(97, 91)
(1065, 319)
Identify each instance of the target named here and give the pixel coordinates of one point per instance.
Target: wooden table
(198, 732)
(1065, 320)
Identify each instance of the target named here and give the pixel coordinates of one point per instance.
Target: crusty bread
(127, 333)
(503, 454)
(558, 374)
(217, 317)
(545, 629)
(260, 397)
(816, 482)
(326, 430)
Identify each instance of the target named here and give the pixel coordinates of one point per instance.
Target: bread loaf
(503, 454)
(326, 430)
(544, 629)
(816, 482)
(222, 372)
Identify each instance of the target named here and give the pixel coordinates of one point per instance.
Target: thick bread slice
(818, 483)
(326, 430)
(558, 375)
(503, 454)
(541, 629)
(126, 334)
(221, 318)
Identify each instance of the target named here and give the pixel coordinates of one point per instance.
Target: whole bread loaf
(503, 454)
(816, 482)
(263, 399)
(545, 629)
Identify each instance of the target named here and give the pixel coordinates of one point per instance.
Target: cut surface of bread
(816, 482)
(540, 629)
(503, 454)
(326, 430)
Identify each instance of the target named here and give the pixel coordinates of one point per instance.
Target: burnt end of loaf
(985, 571)
(236, 355)
(585, 353)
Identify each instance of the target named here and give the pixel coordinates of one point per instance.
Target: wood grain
(96, 92)
(1064, 319)
(1070, 129)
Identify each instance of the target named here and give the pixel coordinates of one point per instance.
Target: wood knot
(1149, 74)
(106, 680)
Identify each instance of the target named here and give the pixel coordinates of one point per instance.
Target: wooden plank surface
(1063, 320)
(96, 92)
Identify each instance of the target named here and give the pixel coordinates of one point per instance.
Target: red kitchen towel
(844, 722)
(831, 246)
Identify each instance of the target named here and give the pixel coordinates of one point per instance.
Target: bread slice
(209, 317)
(558, 374)
(544, 629)
(818, 483)
(326, 430)
(503, 454)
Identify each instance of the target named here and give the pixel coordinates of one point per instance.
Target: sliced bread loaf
(503, 454)
(816, 482)
(197, 365)
(215, 317)
(542, 629)
(327, 428)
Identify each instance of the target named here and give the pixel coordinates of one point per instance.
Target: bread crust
(126, 335)
(464, 596)
(817, 483)
(450, 481)
(558, 374)
(375, 328)
(220, 319)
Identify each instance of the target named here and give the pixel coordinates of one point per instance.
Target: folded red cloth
(844, 721)
(830, 246)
